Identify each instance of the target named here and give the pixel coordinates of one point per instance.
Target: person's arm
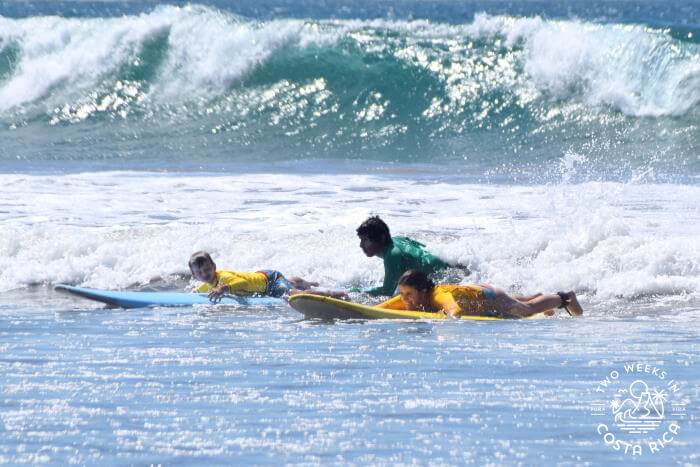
(392, 273)
(228, 284)
(337, 294)
(373, 291)
(218, 291)
(433, 263)
(447, 304)
(393, 304)
(377, 291)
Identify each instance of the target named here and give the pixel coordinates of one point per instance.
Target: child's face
(414, 298)
(204, 272)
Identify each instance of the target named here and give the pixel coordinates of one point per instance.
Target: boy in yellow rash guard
(220, 282)
(238, 283)
(418, 292)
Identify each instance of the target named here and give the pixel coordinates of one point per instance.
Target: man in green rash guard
(399, 254)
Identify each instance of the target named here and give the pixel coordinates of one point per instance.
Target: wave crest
(366, 88)
(193, 53)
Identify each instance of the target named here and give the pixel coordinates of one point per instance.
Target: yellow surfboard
(326, 308)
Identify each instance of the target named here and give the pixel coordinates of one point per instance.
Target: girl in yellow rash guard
(219, 282)
(418, 292)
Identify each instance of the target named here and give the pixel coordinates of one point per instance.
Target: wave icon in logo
(638, 409)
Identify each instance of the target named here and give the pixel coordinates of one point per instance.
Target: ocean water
(548, 145)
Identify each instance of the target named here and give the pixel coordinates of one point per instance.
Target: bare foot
(301, 284)
(548, 312)
(572, 305)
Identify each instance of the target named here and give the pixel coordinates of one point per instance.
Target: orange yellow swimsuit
(461, 300)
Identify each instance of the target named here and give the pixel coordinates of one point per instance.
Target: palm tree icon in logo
(642, 411)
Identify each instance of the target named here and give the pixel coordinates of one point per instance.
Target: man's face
(204, 272)
(370, 247)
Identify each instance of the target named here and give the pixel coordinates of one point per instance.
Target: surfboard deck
(326, 308)
(162, 299)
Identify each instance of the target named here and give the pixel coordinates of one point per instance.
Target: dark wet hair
(416, 279)
(375, 229)
(200, 258)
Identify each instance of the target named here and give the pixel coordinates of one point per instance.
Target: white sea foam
(207, 51)
(636, 70)
(72, 54)
(115, 230)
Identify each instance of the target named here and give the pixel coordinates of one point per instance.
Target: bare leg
(510, 306)
(520, 298)
(526, 298)
(339, 294)
(301, 284)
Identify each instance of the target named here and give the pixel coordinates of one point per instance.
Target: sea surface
(548, 145)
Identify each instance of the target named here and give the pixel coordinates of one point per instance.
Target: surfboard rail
(327, 308)
(127, 299)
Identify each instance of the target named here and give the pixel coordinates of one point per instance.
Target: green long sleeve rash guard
(401, 255)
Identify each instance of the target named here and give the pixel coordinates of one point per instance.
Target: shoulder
(409, 246)
(400, 240)
(443, 289)
(224, 275)
(395, 303)
(394, 250)
(443, 299)
(400, 246)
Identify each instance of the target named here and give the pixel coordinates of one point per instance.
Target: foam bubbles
(208, 51)
(636, 70)
(609, 241)
(67, 56)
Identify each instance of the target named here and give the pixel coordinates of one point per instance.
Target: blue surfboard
(151, 299)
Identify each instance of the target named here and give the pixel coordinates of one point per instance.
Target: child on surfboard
(399, 254)
(418, 292)
(218, 282)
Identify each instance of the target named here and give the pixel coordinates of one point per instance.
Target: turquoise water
(546, 145)
(494, 95)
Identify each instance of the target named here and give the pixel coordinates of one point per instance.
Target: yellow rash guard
(239, 283)
(461, 299)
